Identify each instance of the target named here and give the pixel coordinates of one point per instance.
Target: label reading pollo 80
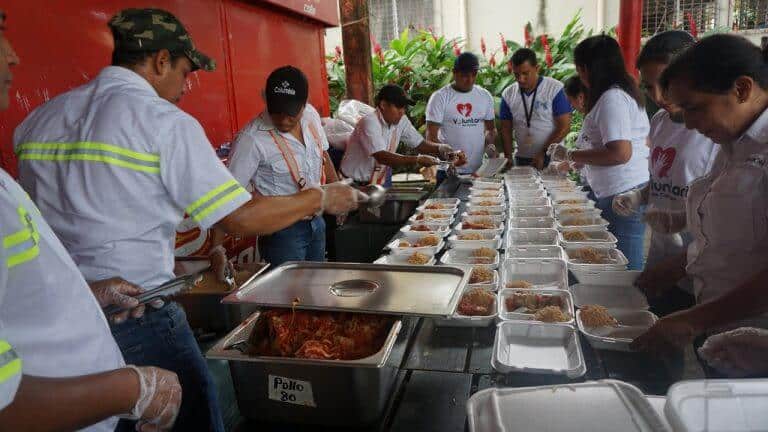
(290, 391)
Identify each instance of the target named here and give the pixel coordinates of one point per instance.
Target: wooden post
(355, 35)
(630, 25)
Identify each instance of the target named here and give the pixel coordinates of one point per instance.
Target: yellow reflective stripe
(4, 346)
(10, 363)
(16, 238)
(149, 157)
(207, 197)
(92, 158)
(220, 202)
(22, 257)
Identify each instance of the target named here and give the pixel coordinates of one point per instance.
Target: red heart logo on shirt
(661, 161)
(464, 109)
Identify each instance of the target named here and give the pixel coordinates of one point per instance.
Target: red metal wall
(64, 44)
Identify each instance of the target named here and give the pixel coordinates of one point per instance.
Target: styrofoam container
(613, 278)
(459, 320)
(541, 273)
(594, 406)
(529, 202)
(632, 323)
(521, 171)
(475, 201)
(453, 202)
(537, 348)
(524, 186)
(500, 209)
(531, 236)
(496, 217)
(562, 212)
(611, 296)
(397, 259)
(437, 229)
(498, 230)
(534, 252)
(558, 195)
(732, 405)
(599, 237)
(577, 199)
(487, 183)
(529, 211)
(658, 402)
(565, 222)
(505, 314)
(530, 193)
(617, 259)
(557, 181)
(491, 240)
(532, 222)
(464, 257)
(561, 189)
(433, 250)
(433, 217)
(588, 204)
(491, 286)
(413, 236)
(450, 210)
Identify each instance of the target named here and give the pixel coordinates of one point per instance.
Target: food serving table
(443, 366)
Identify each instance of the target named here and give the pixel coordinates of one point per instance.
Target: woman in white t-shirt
(615, 131)
(678, 157)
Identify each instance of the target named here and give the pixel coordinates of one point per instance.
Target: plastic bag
(665, 221)
(351, 111)
(338, 132)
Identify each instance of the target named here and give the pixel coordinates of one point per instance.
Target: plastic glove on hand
(220, 264)
(670, 333)
(444, 151)
(558, 152)
(627, 203)
(427, 160)
(340, 198)
(738, 353)
(490, 151)
(665, 221)
(159, 399)
(119, 292)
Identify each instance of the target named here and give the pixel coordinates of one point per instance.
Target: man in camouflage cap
(114, 165)
(143, 30)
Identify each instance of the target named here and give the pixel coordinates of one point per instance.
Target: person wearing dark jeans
(629, 231)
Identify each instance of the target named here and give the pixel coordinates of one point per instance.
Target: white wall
(472, 19)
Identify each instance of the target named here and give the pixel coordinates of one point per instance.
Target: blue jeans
(629, 231)
(302, 241)
(162, 338)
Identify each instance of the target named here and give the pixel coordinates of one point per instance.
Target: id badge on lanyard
(528, 138)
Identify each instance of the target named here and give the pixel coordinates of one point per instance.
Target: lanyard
(529, 114)
(290, 159)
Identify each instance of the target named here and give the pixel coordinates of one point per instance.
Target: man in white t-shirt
(461, 114)
(372, 149)
(536, 109)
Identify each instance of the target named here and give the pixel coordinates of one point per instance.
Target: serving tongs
(169, 289)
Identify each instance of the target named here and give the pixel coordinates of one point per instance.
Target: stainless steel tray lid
(372, 288)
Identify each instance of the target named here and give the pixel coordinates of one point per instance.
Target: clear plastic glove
(458, 158)
(340, 198)
(490, 150)
(220, 264)
(558, 153)
(427, 160)
(159, 399)
(627, 203)
(738, 353)
(665, 221)
(673, 332)
(119, 292)
(444, 151)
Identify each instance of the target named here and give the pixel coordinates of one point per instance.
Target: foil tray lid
(428, 291)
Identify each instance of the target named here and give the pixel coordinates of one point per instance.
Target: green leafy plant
(421, 62)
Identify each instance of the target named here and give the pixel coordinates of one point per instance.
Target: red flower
(482, 45)
(504, 47)
(527, 33)
(379, 52)
(338, 51)
(456, 49)
(432, 32)
(692, 25)
(492, 61)
(547, 51)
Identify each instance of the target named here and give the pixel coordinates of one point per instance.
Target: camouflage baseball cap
(153, 30)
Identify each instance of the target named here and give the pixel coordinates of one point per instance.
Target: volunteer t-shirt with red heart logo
(678, 157)
(462, 119)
